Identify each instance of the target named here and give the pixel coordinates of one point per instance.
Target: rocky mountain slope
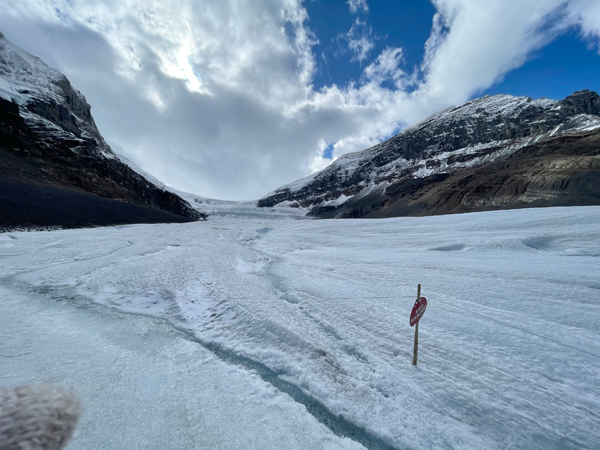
(55, 167)
(495, 152)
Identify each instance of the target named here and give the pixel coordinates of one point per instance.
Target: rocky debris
(48, 127)
(456, 141)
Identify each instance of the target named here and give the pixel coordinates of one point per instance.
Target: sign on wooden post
(416, 314)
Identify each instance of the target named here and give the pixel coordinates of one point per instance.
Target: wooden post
(416, 350)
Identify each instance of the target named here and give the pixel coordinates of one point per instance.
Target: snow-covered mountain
(395, 176)
(46, 99)
(56, 168)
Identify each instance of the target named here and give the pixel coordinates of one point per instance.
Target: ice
(145, 385)
(312, 316)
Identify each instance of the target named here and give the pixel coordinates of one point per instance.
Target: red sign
(418, 311)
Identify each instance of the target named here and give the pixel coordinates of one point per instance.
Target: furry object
(37, 417)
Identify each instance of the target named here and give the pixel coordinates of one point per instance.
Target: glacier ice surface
(131, 317)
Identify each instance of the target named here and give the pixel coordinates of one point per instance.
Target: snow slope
(46, 99)
(315, 313)
(25, 77)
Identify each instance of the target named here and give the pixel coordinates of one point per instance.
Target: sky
(231, 99)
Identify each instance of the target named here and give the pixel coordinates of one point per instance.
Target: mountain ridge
(50, 147)
(455, 140)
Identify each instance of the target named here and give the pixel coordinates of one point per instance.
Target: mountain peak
(51, 148)
(46, 98)
(582, 102)
(475, 134)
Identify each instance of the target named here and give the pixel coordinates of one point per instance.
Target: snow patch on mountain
(45, 97)
(24, 76)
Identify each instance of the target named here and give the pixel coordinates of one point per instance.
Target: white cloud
(358, 5)
(586, 14)
(473, 44)
(361, 47)
(359, 40)
(387, 67)
(216, 97)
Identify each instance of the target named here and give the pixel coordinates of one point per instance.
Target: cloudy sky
(233, 98)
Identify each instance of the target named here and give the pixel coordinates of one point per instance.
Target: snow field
(324, 305)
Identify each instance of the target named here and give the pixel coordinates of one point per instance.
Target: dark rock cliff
(43, 182)
(563, 171)
(50, 147)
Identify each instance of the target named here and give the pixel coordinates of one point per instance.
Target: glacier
(263, 329)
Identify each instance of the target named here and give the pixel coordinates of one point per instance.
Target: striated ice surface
(258, 331)
(145, 385)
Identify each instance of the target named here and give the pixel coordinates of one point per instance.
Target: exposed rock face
(416, 171)
(49, 142)
(562, 171)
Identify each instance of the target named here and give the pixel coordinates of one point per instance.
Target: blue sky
(564, 66)
(402, 23)
(232, 98)
(567, 64)
(405, 24)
